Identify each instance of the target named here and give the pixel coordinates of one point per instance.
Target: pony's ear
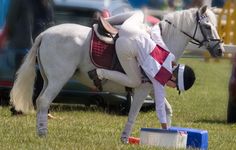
(203, 9)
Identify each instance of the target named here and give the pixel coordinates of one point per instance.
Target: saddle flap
(103, 54)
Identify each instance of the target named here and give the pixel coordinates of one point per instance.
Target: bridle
(195, 41)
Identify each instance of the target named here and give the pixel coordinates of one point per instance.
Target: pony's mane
(180, 18)
(184, 20)
(183, 17)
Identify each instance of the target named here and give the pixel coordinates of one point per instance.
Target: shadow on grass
(93, 108)
(112, 110)
(210, 121)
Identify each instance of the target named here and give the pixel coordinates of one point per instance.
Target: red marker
(134, 140)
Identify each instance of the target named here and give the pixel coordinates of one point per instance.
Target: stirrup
(97, 82)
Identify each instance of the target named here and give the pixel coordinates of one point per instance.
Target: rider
(139, 45)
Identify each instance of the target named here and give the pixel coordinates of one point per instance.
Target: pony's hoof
(124, 140)
(42, 134)
(42, 130)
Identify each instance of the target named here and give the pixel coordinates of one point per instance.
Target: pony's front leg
(140, 93)
(168, 113)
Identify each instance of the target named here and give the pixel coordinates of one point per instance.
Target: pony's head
(206, 23)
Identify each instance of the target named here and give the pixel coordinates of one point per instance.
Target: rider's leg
(122, 17)
(126, 52)
(133, 26)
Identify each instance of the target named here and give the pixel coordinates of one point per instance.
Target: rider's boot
(94, 76)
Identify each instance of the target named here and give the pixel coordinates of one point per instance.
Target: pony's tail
(22, 91)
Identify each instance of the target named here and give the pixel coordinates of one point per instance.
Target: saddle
(102, 50)
(106, 29)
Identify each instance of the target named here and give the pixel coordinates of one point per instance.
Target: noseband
(195, 41)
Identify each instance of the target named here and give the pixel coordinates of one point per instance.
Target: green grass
(204, 107)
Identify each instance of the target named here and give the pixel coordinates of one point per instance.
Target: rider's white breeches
(126, 53)
(122, 17)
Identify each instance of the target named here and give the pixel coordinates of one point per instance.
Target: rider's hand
(164, 125)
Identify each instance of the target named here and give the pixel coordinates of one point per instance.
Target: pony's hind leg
(42, 111)
(52, 86)
(43, 103)
(58, 62)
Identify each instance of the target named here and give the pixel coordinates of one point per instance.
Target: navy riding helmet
(185, 77)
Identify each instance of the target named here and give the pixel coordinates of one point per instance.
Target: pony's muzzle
(219, 52)
(216, 53)
(216, 48)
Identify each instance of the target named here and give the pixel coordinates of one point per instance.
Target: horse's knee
(135, 83)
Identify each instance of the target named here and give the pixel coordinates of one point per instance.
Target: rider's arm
(159, 90)
(159, 93)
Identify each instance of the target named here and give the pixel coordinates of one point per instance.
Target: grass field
(203, 107)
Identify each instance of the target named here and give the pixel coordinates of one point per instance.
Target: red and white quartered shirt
(156, 60)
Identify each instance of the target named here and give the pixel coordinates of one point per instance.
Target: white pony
(63, 52)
